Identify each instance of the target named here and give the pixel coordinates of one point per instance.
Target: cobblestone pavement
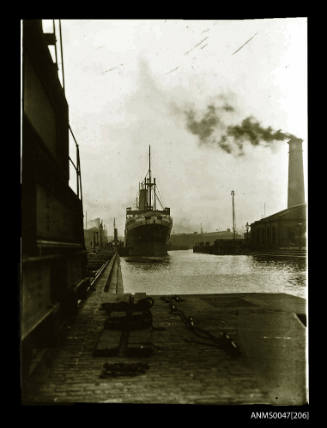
(181, 369)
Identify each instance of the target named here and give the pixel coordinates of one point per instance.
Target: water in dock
(185, 272)
(234, 337)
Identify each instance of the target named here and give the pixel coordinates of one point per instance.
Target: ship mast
(145, 189)
(154, 195)
(233, 205)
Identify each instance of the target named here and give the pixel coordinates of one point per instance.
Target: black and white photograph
(164, 188)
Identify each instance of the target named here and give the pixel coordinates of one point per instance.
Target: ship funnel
(142, 199)
(295, 173)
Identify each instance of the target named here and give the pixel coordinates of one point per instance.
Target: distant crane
(115, 234)
(233, 204)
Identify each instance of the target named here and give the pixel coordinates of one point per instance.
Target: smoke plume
(212, 129)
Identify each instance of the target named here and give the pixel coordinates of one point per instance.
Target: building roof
(280, 214)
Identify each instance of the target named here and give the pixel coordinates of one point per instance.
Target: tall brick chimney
(295, 173)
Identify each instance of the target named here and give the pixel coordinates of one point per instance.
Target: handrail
(55, 45)
(77, 167)
(73, 163)
(62, 58)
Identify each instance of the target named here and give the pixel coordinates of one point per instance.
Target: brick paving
(181, 370)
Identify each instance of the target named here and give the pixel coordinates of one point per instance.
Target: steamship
(147, 229)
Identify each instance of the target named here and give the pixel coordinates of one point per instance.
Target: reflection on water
(185, 272)
(148, 262)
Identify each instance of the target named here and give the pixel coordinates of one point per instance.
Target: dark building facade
(96, 236)
(286, 228)
(54, 259)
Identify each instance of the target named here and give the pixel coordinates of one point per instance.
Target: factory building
(96, 236)
(286, 228)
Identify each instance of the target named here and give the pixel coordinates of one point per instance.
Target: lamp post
(234, 228)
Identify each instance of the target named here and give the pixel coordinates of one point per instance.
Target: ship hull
(148, 240)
